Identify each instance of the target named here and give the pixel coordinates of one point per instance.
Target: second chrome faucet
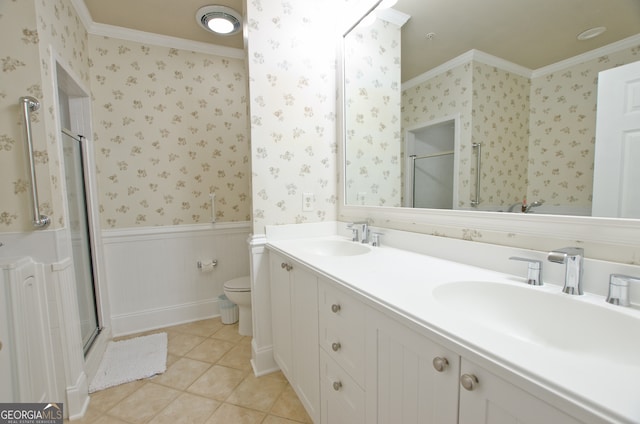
(572, 257)
(360, 231)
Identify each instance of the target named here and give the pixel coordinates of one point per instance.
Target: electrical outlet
(308, 199)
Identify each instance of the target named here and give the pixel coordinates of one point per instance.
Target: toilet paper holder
(200, 264)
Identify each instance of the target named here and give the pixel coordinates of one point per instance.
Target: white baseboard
(262, 360)
(78, 397)
(138, 322)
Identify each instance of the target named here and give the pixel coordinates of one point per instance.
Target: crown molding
(505, 65)
(113, 31)
(393, 16)
(491, 60)
(440, 69)
(471, 55)
(625, 43)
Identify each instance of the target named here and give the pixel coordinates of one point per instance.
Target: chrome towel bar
(478, 147)
(30, 104)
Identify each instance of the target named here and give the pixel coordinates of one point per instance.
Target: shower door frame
(408, 147)
(78, 107)
(82, 145)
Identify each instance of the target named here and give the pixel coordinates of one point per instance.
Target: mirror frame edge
(601, 232)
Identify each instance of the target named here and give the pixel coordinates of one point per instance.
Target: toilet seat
(240, 284)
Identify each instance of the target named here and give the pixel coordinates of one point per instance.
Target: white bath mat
(130, 360)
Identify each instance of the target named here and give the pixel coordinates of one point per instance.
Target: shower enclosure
(80, 235)
(431, 178)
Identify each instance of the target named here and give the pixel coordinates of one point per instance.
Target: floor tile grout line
(224, 334)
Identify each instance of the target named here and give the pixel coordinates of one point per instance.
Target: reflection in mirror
(516, 77)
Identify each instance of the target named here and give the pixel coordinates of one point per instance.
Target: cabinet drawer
(342, 398)
(342, 329)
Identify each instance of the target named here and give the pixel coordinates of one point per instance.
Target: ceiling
(530, 33)
(174, 18)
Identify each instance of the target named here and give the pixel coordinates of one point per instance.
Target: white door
(617, 153)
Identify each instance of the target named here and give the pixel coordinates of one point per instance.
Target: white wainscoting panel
(64, 301)
(153, 277)
(262, 343)
(27, 343)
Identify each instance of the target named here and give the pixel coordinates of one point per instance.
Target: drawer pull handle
(336, 346)
(286, 266)
(335, 308)
(337, 385)
(440, 363)
(469, 381)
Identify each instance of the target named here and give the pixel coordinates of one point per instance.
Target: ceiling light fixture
(220, 20)
(591, 33)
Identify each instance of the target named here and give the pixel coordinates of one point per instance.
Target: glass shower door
(80, 237)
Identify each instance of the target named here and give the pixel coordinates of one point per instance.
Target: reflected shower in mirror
(516, 78)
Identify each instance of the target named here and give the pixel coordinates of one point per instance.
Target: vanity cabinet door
(281, 314)
(417, 379)
(306, 354)
(342, 398)
(487, 399)
(294, 310)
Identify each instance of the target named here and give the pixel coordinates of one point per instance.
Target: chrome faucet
(534, 270)
(362, 228)
(572, 257)
(535, 204)
(525, 207)
(619, 289)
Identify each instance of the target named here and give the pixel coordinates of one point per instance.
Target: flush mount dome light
(220, 20)
(591, 33)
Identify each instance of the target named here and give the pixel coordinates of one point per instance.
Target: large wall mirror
(480, 105)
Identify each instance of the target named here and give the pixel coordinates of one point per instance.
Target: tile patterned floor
(209, 380)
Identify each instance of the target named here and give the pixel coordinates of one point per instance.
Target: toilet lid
(240, 284)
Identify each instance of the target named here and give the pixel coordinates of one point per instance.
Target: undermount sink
(550, 319)
(335, 248)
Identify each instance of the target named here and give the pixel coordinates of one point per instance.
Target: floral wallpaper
(372, 115)
(493, 108)
(562, 132)
(30, 30)
(537, 134)
(293, 115)
(500, 120)
(442, 96)
(170, 127)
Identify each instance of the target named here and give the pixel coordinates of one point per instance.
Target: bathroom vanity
(384, 334)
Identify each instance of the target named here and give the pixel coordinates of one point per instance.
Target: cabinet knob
(469, 381)
(335, 308)
(440, 363)
(336, 346)
(286, 266)
(337, 385)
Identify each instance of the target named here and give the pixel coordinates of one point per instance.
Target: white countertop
(404, 281)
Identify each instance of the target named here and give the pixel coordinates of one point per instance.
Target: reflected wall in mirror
(513, 73)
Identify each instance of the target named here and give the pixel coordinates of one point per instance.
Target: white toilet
(238, 291)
